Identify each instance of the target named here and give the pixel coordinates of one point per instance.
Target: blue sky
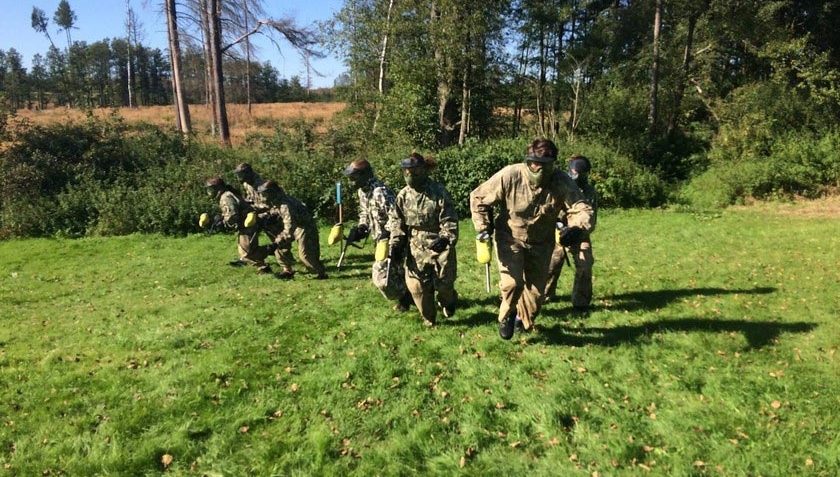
(100, 19)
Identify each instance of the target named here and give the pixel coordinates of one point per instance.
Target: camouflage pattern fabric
(376, 200)
(582, 256)
(389, 278)
(524, 231)
(254, 197)
(292, 221)
(233, 211)
(418, 218)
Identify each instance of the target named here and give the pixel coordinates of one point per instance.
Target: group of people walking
(537, 214)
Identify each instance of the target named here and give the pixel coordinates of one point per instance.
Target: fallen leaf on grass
(166, 459)
(775, 404)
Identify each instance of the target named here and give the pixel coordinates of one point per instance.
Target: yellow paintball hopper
(381, 252)
(336, 234)
(250, 219)
(482, 250)
(204, 220)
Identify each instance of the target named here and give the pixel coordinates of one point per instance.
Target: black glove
(484, 236)
(358, 232)
(571, 236)
(439, 244)
(218, 222)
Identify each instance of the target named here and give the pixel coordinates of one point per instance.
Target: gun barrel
(487, 277)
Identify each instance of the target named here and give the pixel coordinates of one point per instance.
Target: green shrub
(796, 164)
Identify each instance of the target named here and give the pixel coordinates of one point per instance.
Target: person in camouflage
(376, 200)
(579, 168)
(289, 220)
(532, 197)
(424, 223)
(234, 210)
(251, 181)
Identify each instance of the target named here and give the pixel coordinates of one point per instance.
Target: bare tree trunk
(384, 51)
(447, 109)
(686, 66)
(210, 99)
(541, 82)
(182, 112)
(247, 57)
(128, 28)
(653, 114)
(465, 107)
(217, 77)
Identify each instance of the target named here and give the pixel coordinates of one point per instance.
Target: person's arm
(482, 200)
(448, 219)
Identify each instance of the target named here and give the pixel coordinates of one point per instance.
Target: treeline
(98, 75)
(677, 85)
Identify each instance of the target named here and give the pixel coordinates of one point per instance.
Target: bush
(798, 164)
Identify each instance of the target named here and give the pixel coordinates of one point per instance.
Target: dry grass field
(261, 118)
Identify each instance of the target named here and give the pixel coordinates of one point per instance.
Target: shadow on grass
(653, 299)
(757, 334)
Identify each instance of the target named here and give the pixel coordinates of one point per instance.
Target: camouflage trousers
(584, 260)
(523, 270)
(248, 246)
(309, 251)
(436, 276)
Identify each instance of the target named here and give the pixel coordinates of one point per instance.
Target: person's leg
(537, 259)
(309, 251)
(423, 293)
(558, 258)
(447, 272)
(249, 249)
(582, 288)
(510, 256)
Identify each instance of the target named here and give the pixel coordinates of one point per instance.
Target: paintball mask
(539, 169)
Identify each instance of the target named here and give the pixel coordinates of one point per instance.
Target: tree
(182, 112)
(65, 17)
(40, 23)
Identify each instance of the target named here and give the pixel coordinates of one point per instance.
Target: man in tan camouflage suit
(376, 200)
(234, 210)
(289, 220)
(579, 168)
(532, 197)
(424, 223)
(251, 181)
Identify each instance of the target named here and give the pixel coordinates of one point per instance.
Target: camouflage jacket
(234, 209)
(592, 197)
(254, 197)
(376, 200)
(292, 217)
(528, 213)
(421, 216)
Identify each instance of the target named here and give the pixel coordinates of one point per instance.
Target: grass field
(711, 350)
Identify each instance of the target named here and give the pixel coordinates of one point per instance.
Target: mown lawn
(711, 350)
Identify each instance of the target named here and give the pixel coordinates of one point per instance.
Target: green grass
(711, 350)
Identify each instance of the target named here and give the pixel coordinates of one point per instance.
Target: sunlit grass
(711, 350)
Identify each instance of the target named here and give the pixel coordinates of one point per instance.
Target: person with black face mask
(423, 229)
(579, 169)
(376, 200)
(531, 197)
